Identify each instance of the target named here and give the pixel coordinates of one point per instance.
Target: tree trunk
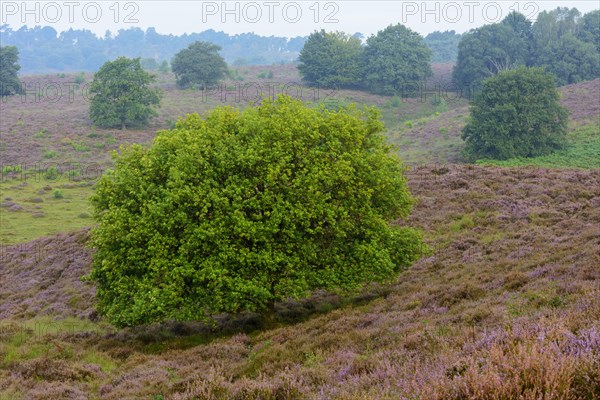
(268, 319)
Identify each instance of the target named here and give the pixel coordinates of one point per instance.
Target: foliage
(331, 59)
(149, 64)
(199, 64)
(82, 50)
(485, 51)
(564, 45)
(164, 67)
(570, 60)
(243, 209)
(9, 67)
(443, 45)
(122, 95)
(517, 114)
(394, 58)
(589, 28)
(560, 41)
(80, 78)
(582, 151)
(265, 75)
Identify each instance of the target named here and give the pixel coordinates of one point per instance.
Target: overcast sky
(279, 18)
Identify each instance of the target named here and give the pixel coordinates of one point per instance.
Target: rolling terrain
(506, 305)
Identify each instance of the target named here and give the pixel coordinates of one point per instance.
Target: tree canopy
(485, 51)
(443, 45)
(122, 95)
(516, 114)
(394, 59)
(331, 59)
(9, 68)
(199, 64)
(82, 50)
(560, 41)
(244, 208)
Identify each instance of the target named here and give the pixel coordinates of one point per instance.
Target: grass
(506, 307)
(477, 316)
(582, 151)
(62, 202)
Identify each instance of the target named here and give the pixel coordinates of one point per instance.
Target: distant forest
(43, 49)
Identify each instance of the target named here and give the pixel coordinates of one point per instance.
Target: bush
(243, 209)
(80, 78)
(517, 114)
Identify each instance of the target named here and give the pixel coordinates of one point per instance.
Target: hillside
(508, 303)
(436, 138)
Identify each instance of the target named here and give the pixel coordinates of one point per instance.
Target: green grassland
(582, 151)
(37, 206)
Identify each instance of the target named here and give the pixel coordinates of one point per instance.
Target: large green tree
(242, 209)
(395, 60)
(331, 59)
(122, 95)
(199, 64)
(485, 51)
(9, 68)
(516, 114)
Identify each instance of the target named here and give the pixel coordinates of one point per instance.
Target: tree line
(43, 49)
(561, 42)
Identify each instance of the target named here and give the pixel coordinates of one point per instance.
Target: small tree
(517, 114)
(395, 60)
(331, 59)
(243, 209)
(199, 64)
(9, 67)
(164, 67)
(122, 95)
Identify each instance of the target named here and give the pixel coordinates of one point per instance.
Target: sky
(278, 18)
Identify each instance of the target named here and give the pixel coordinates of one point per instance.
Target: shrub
(51, 173)
(517, 114)
(80, 78)
(243, 209)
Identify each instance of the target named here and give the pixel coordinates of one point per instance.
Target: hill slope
(508, 305)
(436, 139)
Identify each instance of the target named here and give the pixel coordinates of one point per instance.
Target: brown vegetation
(506, 307)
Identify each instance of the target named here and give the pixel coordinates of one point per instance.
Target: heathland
(507, 305)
